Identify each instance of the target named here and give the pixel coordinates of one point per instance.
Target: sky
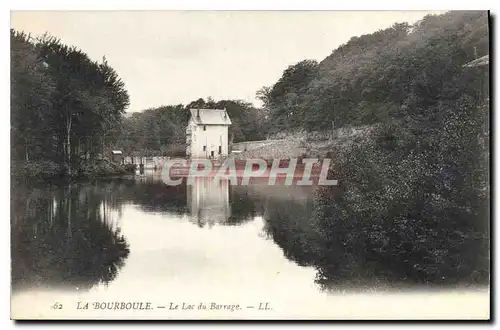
(173, 57)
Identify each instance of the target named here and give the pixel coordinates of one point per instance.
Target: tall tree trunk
(26, 153)
(68, 144)
(91, 149)
(88, 150)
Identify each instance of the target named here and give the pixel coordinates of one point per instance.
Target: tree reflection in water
(356, 255)
(65, 237)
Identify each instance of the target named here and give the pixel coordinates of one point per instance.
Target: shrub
(100, 167)
(36, 169)
(130, 168)
(413, 206)
(176, 151)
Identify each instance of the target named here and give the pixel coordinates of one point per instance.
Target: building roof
(484, 60)
(116, 152)
(210, 117)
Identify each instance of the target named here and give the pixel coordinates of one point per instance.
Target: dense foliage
(414, 196)
(162, 130)
(65, 108)
(416, 187)
(374, 77)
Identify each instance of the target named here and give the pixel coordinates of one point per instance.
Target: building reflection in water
(208, 201)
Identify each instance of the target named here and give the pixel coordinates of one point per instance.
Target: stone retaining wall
(251, 145)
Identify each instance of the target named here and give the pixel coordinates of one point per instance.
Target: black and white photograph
(250, 165)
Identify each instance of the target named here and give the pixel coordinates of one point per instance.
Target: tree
(31, 98)
(64, 105)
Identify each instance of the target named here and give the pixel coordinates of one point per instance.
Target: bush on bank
(415, 200)
(45, 170)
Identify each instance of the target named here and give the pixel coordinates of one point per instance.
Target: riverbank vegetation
(65, 109)
(416, 188)
(68, 113)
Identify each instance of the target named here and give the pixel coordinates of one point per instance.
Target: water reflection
(65, 237)
(208, 201)
(70, 236)
(213, 202)
(361, 254)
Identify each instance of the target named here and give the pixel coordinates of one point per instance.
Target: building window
(204, 148)
(220, 150)
(204, 127)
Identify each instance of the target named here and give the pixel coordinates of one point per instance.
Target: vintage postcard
(250, 165)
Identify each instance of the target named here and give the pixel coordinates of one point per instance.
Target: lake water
(210, 250)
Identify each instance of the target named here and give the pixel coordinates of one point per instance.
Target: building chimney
(198, 113)
(225, 113)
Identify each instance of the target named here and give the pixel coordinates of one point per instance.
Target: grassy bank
(49, 170)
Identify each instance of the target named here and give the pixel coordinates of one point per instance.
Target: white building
(207, 133)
